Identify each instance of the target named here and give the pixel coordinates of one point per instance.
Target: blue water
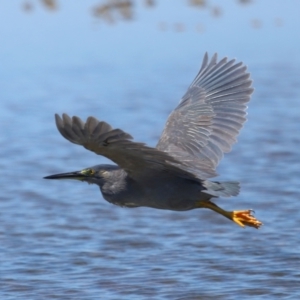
(61, 240)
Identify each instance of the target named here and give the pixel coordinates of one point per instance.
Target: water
(61, 240)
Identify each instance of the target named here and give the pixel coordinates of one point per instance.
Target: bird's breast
(178, 194)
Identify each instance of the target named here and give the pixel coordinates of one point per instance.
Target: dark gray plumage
(173, 175)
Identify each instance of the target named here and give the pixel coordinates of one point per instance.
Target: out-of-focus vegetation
(111, 11)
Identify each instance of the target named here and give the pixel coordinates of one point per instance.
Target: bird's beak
(71, 175)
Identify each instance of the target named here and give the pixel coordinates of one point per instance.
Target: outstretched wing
(136, 159)
(209, 116)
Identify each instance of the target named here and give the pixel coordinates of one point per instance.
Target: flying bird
(175, 174)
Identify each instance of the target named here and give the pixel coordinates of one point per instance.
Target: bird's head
(98, 174)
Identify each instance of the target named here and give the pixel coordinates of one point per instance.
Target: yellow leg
(240, 217)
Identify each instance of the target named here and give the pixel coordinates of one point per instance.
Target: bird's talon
(245, 218)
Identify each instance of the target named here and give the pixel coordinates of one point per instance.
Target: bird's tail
(221, 189)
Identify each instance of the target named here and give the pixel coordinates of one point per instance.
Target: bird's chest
(127, 194)
(161, 193)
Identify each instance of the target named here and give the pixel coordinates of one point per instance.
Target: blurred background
(128, 63)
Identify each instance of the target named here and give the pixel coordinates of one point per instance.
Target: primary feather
(209, 116)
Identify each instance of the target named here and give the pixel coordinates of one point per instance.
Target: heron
(174, 175)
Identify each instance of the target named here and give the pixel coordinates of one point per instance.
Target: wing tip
(76, 131)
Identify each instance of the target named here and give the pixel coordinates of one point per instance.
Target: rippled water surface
(61, 240)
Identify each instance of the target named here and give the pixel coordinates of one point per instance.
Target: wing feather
(209, 116)
(135, 158)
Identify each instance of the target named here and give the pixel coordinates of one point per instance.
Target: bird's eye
(91, 172)
(88, 172)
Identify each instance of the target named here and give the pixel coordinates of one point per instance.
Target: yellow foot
(245, 218)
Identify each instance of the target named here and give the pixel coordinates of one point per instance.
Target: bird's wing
(209, 116)
(136, 159)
